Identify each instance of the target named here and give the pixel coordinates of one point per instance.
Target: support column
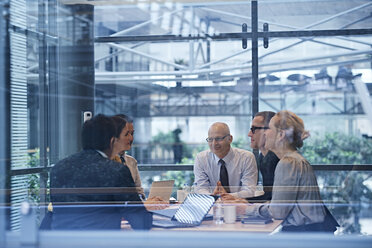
(191, 42)
(75, 87)
(4, 121)
(254, 24)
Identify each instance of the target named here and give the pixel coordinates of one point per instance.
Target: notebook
(191, 212)
(162, 189)
(255, 220)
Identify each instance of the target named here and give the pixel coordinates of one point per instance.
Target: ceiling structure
(182, 54)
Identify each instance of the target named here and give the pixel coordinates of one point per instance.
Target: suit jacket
(89, 191)
(266, 166)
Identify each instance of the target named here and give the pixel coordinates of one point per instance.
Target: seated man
(90, 191)
(296, 196)
(267, 160)
(223, 168)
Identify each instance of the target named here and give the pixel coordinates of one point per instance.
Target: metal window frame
(190, 167)
(4, 118)
(254, 36)
(305, 34)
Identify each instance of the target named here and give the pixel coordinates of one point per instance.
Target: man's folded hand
(240, 203)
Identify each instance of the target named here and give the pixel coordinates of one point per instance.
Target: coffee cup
(229, 214)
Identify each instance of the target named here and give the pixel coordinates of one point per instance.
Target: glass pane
(315, 15)
(175, 68)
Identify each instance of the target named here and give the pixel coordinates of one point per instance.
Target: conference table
(210, 226)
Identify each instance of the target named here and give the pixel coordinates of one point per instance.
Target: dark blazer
(89, 191)
(266, 165)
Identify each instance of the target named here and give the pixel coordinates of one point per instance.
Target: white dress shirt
(241, 168)
(102, 153)
(133, 167)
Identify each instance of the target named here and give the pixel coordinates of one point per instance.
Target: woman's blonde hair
(293, 126)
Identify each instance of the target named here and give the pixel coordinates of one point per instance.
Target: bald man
(223, 164)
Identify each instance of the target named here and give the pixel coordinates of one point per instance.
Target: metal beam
(189, 167)
(338, 15)
(247, 18)
(346, 54)
(333, 105)
(269, 104)
(123, 78)
(291, 27)
(254, 24)
(172, 13)
(365, 98)
(287, 26)
(135, 27)
(4, 118)
(237, 36)
(312, 40)
(146, 55)
(301, 67)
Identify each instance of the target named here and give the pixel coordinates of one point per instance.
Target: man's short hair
(267, 115)
(98, 132)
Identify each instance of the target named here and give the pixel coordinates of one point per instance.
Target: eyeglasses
(217, 139)
(254, 128)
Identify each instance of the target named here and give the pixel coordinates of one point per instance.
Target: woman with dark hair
(124, 132)
(89, 190)
(105, 135)
(125, 159)
(295, 197)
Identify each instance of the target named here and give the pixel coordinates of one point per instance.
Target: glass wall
(176, 67)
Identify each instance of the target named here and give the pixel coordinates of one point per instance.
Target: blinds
(18, 107)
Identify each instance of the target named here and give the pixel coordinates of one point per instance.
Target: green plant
(344, 189)
(33, 160)
(337, 148)
(240, 143)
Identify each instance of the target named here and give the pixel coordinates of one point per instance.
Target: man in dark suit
(90, 191)
(267, 160)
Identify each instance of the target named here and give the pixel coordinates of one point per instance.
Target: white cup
(229, 212)
(181, 195)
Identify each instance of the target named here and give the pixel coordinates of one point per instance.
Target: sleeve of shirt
(248, 178)
(201, 177)
(286, 181)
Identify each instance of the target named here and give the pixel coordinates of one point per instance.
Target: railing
(189, 167)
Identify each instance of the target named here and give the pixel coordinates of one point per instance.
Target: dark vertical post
(43, 99)
(52, 117)
(208, 23)
(4, 119)
(75, 79)
(254, 24)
